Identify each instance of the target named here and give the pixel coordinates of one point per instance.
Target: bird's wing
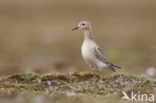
(99, 53)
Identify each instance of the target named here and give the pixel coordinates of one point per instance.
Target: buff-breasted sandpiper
(92, 53)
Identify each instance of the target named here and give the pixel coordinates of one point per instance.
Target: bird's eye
(83, 24)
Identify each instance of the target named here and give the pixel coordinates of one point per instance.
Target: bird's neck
(88, 34)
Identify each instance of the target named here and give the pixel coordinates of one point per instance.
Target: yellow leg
(93, 81)
(100, 79)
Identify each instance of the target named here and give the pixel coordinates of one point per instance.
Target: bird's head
(83, 25)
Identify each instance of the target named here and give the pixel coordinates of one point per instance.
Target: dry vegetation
(77, 85)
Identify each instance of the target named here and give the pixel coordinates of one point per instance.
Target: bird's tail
(113, 65)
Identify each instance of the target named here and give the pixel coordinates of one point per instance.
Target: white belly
(90, 58)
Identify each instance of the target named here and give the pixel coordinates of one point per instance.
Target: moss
(2, 78)
(74, 82)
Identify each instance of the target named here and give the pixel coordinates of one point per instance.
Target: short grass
(76, 85)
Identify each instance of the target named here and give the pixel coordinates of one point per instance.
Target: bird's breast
(87, 53)
(87, 50)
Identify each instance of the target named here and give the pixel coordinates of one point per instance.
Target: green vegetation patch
(79, 83)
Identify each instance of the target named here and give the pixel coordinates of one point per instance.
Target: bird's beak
(75, 28)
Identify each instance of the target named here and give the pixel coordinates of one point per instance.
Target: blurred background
(36, 36)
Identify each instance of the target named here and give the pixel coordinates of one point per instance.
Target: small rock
(49, 83)
(70, 94)
(151, 71)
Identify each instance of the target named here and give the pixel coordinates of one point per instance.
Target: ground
(76, 87)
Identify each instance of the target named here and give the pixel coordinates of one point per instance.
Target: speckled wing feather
(99, 53)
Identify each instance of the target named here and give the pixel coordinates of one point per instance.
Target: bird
(93, 55)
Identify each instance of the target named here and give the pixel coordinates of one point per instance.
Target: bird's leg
(93, 81)
(100, 79)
